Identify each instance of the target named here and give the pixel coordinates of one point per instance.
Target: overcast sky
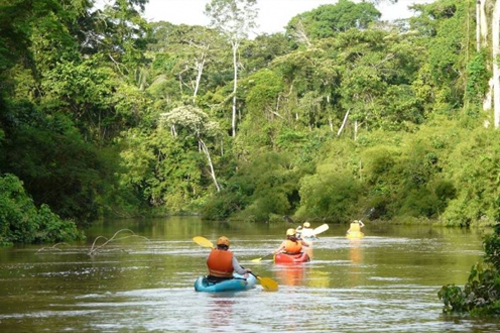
(273, 14)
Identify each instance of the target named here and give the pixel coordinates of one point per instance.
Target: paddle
(267, 283)
(320, 229)
(259, 259)
(368, 214)
(314, 232)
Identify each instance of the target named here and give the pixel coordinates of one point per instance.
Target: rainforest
(342, 116)
(104, 114)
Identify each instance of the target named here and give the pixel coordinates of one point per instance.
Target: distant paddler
(355, 230)
(305, 231)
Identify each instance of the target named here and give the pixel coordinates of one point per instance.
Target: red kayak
(284, 258)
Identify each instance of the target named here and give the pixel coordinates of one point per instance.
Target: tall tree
(328, 20)
(235, 19)
(495, 22)
(196, 123)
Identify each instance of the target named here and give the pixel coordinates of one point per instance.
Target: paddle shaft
(368, 214)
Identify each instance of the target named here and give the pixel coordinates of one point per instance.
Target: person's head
(223, 243)
(290, 232)
(306, 224)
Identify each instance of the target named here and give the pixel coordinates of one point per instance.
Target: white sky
(273, 14)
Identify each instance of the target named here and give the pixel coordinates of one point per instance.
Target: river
(385, 282)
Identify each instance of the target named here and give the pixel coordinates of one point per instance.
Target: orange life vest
(293, 247)
(220, 263)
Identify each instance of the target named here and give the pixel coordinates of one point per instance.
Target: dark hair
(222, 246)
(292, 238)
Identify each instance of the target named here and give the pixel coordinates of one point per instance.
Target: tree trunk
(199, 71)
(235, 45)
(209, 159)
(487, 102)
(343, 122)
(483, 23)
(478, 25)
(495, 30)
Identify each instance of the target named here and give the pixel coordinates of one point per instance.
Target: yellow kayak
(355, 234)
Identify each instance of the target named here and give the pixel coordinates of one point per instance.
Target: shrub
(481, 293)
(22, 222)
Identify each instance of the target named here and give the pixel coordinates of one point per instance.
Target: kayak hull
(236, 284)
(355, 234)
(284, 258)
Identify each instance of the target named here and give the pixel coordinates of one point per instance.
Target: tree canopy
(105, 114)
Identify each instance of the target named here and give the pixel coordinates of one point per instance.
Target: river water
(385, 282)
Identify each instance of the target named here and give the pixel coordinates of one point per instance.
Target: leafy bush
(329, 195)
(266, 185)
(51, 229)
(481, 293)
(223, 206)
(22, 222)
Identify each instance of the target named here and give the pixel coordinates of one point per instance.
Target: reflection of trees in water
(221, 311)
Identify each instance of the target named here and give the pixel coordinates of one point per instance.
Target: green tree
(327, 20)
(450, 42)
(235, 19)
(196, 123)
(21, 222)
(264, 186)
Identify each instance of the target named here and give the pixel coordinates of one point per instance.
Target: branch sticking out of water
(96, 249)
(53, 247)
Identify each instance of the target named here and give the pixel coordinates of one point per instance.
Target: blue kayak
(236, 284)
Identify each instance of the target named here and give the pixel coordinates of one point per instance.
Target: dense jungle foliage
(106, 114)
(480, 296)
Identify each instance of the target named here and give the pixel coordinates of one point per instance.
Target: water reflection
(391, 278)
(294, 274)
(356, 257)
(355, 251)
(220, 310)
(291, 274)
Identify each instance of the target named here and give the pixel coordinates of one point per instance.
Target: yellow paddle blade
(268, 284)
(321, 228)
(203, 241)
(259, 259)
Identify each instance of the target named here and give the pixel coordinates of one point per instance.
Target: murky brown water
(385, 282)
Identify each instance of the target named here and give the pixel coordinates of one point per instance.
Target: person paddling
(355, 227)
(292, 244)
(305, 231)
(222, 263)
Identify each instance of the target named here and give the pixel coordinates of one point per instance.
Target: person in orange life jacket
(292, 244)
(221, 263)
